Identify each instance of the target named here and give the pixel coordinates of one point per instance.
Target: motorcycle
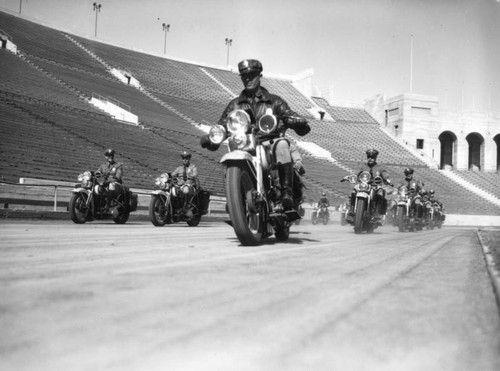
(437, 218)
(88, 201)
(404, 220)
(320, 214)
(175, 201)
(252, 179)
(365, 218)
(344, 211)
(410, 210)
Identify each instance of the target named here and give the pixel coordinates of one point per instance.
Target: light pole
(229, 42)
(97, 9)
(166, 28)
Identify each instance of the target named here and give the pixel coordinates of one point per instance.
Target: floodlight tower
(229, 42)
(166, 28)
(97, 9)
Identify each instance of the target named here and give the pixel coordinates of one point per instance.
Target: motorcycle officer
(188, 172)
(255, 100)
(375, 170)
(111, 172)
(432, 199)
(416, 202)
(323, 201)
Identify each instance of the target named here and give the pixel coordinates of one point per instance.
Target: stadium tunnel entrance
(497, 141)
(448, 142)
(476, 151)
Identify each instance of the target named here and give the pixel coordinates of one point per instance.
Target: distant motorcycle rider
(375, 170)
(432, 198)
(415, 188)
(111, 173)
(323, 201)
(256, 100)
(187, 172)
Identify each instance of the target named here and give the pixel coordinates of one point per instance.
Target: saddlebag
(132, 202)
(204, 201)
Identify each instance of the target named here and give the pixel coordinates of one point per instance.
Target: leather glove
(298, 124)
(303, 130)
(205, 142)
(294, 121)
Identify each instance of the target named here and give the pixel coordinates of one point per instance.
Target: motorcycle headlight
(217, 134)
(352, 178)
(238, 141)
(162, 180)
(86, 175)
(238, 121)
(364, 177)
(363, 186)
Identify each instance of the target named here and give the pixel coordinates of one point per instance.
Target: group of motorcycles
(409, 210)
(174, 201)
(253, 191)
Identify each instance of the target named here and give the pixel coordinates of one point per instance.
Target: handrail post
(55, 198)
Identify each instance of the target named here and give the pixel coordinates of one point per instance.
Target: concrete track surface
(101, 296)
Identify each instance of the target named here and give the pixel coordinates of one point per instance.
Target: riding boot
(286, 181)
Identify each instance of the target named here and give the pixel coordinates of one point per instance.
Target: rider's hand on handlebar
(298, 124)
(205, 142)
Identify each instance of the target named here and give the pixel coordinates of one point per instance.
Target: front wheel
(78, 209)
(401, 215)
(194, 221)
(360, 216)
(121, 218)
(159, 211)
(245, 216)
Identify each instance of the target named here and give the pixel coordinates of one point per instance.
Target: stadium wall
(417, 121)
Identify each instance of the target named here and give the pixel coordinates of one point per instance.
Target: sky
(357, 48)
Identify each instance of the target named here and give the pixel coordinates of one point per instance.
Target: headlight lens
(238, 121)
(85, 176)
(217, 134)
(364, 187)
(238, 140)
(364, 177)
(162, 180)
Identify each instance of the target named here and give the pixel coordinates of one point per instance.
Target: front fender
(236, 156)
(81, 190)
(159, 192)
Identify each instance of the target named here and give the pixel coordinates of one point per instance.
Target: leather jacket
(257, 105)
(111, 172)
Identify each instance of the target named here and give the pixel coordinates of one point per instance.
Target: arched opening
(448, 142)
(497, 141)
(476, 148)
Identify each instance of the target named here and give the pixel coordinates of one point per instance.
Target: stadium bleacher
(50, 131)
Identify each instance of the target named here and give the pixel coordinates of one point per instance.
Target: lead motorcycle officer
(255, 100)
